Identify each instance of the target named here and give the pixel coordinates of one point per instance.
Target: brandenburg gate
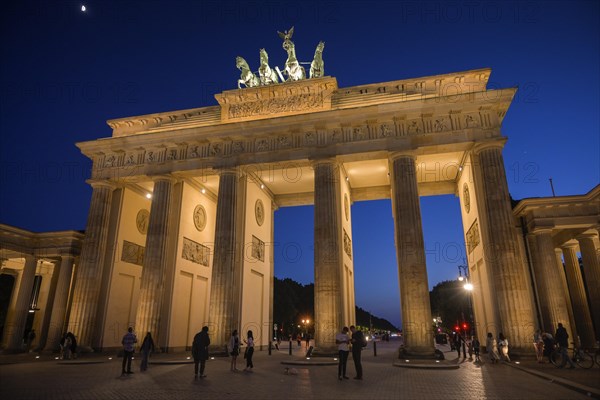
(180, 228)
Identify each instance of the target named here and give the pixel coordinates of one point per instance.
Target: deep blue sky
(64, 73)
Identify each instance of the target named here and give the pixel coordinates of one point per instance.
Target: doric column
(507, 270)
(223, 299)
(155, 259)
(581, 310)
(410, 248)
(565, 289)
(549, 283)
(59, 305)
(328, 255)
(13, 337)
(591, 268)
(47, 306)
(82, 319)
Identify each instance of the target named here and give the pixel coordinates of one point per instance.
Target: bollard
(374, 348)
(270, 344)
(290, 347)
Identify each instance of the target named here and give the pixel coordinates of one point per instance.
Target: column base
(325, 351)
(419, 353)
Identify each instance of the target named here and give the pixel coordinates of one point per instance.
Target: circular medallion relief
(141, 221)
(199, 217)
(259, 212)
(346, 206)
(466, 198)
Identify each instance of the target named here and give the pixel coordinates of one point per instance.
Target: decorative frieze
(258, 248)
(347, 245)
(473, 237)
(195, 252)
(132, 253)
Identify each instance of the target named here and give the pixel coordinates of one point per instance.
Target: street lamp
(468, 286)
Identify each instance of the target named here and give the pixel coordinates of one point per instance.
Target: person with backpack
(358, 342)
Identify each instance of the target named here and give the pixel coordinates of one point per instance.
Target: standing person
(476, 346)
(548, 345)
(342, 340)
(234, 349)
(67, 347)
(538, 345)
(299, 339)
(562, 339)
(146, 348)
(358, 340)
(73, 344)
(307, 341)
(503, 343)
(30, 339)
(249, 351)
(491, 345)
(470, 347)
(200, 351)
(128, 342)
(458, 342)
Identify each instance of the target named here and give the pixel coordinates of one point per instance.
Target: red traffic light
(456, 328)
(464, 326)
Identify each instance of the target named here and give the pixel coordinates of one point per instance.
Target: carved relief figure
(293, 69)
(266, 74)
(247, 78)
(439, 125)
(317, 66)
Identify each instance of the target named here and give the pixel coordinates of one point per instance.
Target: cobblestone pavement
(46, 379)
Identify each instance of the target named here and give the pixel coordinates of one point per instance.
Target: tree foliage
(450, 301)
(294, 302)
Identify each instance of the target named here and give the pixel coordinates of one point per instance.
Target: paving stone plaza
(96, 377)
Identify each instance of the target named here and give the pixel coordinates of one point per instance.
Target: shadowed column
(565, 290)
(59, 305)
(508, 272)
(328, 255)
(16, 326)
(591, 269)
(223, 300)
(410, 247)
(155, 259)
(549, 283)
(581, 310)
(82, 319)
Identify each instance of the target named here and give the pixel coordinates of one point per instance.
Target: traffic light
(456, 328)
(465, 326)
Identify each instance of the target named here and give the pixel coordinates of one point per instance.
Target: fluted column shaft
(59, 305)
(565, 289)
(155, 259)
(514, 302)
(549, 282)
(82, 319)
(591, 268)
(581, 310)
(16, 327)
(223, 301)
(410, 248)
(328, 255)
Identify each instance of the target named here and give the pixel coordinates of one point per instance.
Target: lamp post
(468, 286)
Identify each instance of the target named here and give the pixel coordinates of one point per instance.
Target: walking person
(491, 345)
(129, 340)
(234, 349)
(67, 347)
(503, 343)
(562, 339)
(358, 340)
(548, 345)
(538, 345)
(249, 351)
(458, 342)
(73, 347)
(200, 351)
(146, 348)
(342, 340)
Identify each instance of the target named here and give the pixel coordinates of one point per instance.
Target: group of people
(497, 349)
(346, 343)
(470, 345)
(544, 345)
(233, 348)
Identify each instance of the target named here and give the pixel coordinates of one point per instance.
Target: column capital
(392, 156)
(164, 178)
(538, 230)
(97, 183)
(327, 161)
(571, 244)
(481, 146)
(229, 171)
(586, 235)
